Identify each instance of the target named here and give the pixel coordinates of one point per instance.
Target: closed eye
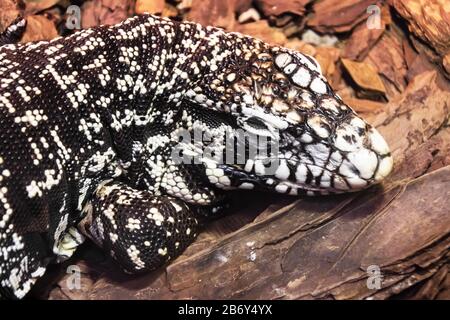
(256, 123)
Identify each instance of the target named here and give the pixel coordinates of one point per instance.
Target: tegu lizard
(120, 133)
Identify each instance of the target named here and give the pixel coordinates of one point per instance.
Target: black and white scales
(89, 124)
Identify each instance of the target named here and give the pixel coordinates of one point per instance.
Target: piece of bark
(328, 58)
(339, 15)
(444, 286)
(415, 116)
(446, 63)
(170, 11)
(216, 13)
(281, 20)
(364, 105)
(361, 41)
(149, 6)
(39, 28)
(388, 58)
(416, 62)
(243, 5)
(301, 46)
(106, 12)
(431, 288)
(184, 5)
(419, 65)
(429, 20)
(33, 7)
(279, 7)
(364, 38)
(427, 157)
(261, 30)
(294, 27)
(409, 53)
(365, 76)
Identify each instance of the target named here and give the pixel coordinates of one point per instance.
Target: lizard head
(312, 142)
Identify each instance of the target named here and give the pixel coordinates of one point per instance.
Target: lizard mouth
(328, 182)
(352, 173)
(354, 158)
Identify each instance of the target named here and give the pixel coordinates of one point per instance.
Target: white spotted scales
(89, 124)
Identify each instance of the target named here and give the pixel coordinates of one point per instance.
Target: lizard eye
(256, 123)
(257, 126)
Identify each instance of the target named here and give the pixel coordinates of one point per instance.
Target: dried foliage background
(277, 247)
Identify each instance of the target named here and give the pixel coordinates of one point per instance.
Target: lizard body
(93, 125)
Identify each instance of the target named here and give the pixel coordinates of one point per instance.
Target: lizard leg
(141, 231)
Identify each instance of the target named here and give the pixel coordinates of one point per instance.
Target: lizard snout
(367, 157)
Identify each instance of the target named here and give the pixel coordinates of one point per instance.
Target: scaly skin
(91, 123)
